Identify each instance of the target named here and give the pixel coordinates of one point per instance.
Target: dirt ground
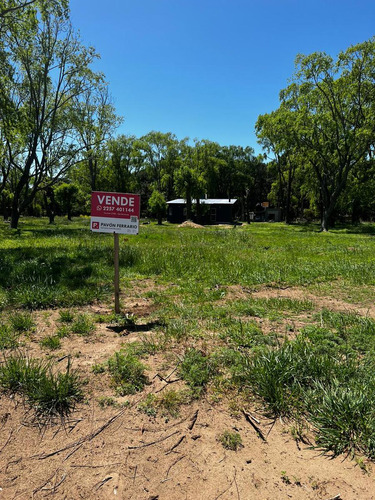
(116, 451)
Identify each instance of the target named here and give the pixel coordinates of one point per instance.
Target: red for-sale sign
(115, 212)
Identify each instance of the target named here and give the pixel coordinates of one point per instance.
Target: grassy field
(247, 311)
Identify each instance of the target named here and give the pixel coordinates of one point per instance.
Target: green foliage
(171, 401)
(51, 342)
(105, 401)
(230, 440)
(98, 368)
(9, 339)
(63, 331)
(245, 335)
(157, 205)
(127, 373)
(313, 138)
(66, 316)
(148, 405)
(83, 325)
(22, 322)
(50, 394)
(344, 417)
(196, 368)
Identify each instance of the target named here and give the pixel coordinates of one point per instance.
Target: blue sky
(207, 69)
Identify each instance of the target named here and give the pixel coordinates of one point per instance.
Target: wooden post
(117, 273)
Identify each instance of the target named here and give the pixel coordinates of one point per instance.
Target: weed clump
(50, 394)
(22, 322)
(9, 339)
(127, 373)
(83, 325)
(51, 342)
(196, 369)
(230, 440)
(66, 316)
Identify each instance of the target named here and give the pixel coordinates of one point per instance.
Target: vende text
(119, 201)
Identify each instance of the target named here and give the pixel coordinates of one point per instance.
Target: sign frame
(113, 212)
(116, 213)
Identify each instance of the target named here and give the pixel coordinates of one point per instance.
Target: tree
(12, 10)
(157, 205)
(94, 119)
(277, 134)
(123, 163)
(333, 112)
(160, 157)
(66, 197)
(44, 68)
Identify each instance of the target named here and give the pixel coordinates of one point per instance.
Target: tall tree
(44, 68)
(276, 133)
(95, 120)
(333, 106)
(160, 157)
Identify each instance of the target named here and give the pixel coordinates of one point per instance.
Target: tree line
(58, 141)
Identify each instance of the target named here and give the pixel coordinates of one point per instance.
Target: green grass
(22, 321)
(127, 372)
(323, 374)
(67, 265)
(49, 394)
(82, 325)
(51, 342)
(9, 338)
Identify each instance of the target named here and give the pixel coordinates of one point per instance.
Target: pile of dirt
(189, 223)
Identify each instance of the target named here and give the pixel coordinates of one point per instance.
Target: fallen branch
(152, 442)
(252, 417)
(235, 482)
(81, 441)
(101, 483)
(7, 441)
(167, 382)
(172, 465)
(193, 421)
(44, 487)
(73, 451)
(337, 497)
(177, 444)
(255, 427)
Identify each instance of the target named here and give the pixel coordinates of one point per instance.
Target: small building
(263, 213)
(212, 211)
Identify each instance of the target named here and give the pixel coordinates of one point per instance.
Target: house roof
(205, 201)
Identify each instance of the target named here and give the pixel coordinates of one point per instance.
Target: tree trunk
(199, 215)
(288, 197)
(188, 206)
(327, 220)
(15, 216)
(49, 201)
